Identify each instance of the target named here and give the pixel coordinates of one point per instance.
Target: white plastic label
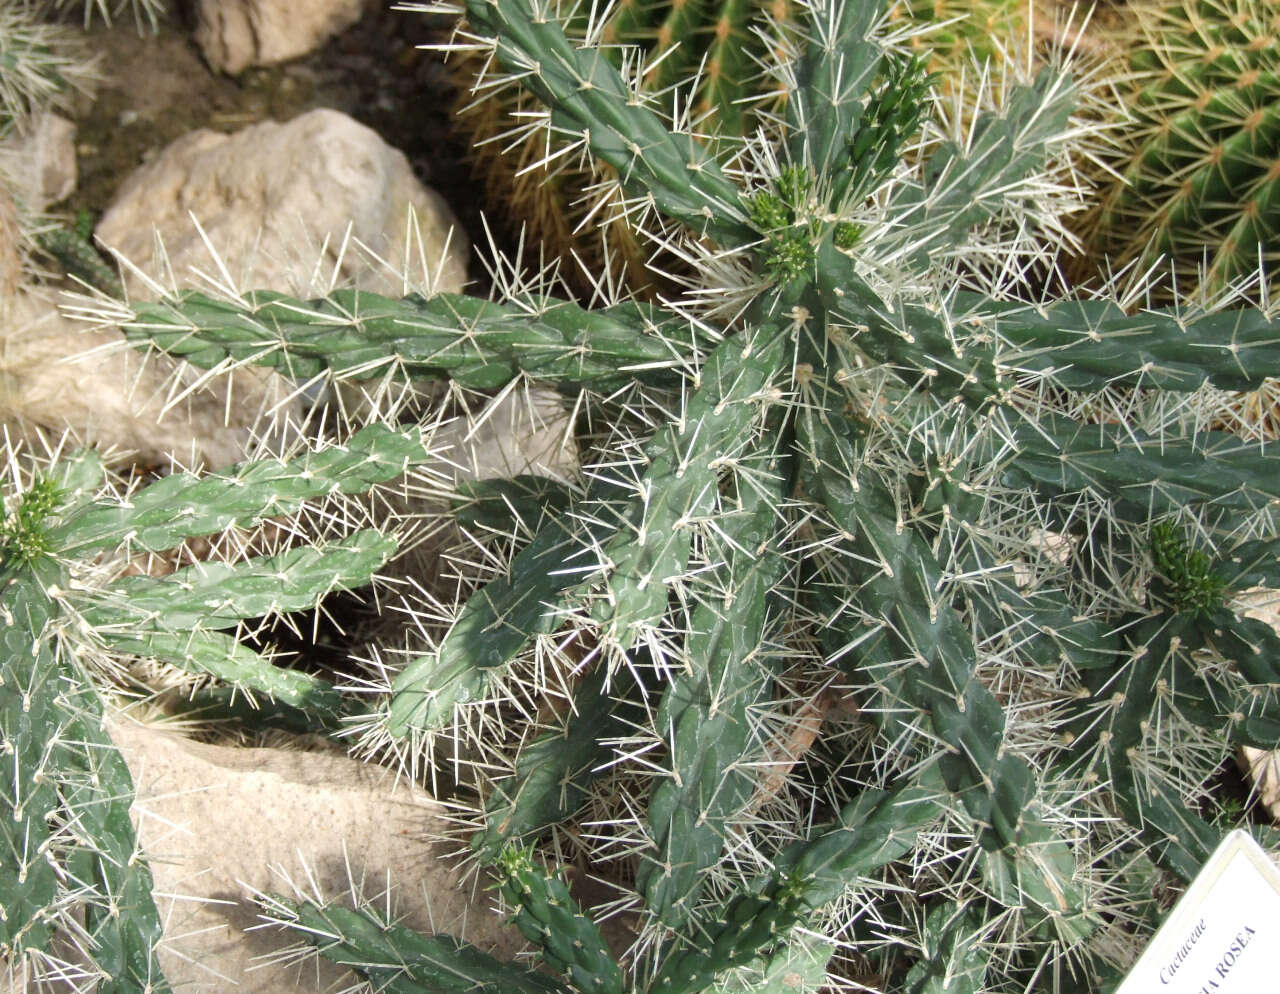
(1223, 936)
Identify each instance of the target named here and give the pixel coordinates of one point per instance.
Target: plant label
(1223, 936)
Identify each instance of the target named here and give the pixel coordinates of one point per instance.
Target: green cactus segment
(219, 655)
(1252, 644)
(704, 715)
(1094, 344)
(833, 76)
(497, 621)
(680, 482)
(181, 505)
(590, 98)
(920, 624)
(754, 925)
(966, 186)
(1075, 344)
(31, 725)
(220, 595)
(799, 967)
(952, 962)
(875, 829)
(1246, 711)
(64, 770)
(354, 333)
(1143, 475)
(872, 830)
(399, 960)
(549, 916)
(80, 259)
(510, 507)
(1111, 725)
(554, 772)
(218, 703)
(908, 337)
(123, 921)
(1252, 564)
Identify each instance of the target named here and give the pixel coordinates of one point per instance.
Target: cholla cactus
(885, 605)
(146, 12)
(73, 881)
(1197, 180)
(41, 65)
(565, 198)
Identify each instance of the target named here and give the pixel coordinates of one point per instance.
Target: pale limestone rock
(275, 202)
(40, 159)
(58, 374)
(1262, 767)
(522, 431)
(237, 34)
(219, 823)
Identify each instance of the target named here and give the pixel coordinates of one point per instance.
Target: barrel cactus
(1198, 164)
(892, 631)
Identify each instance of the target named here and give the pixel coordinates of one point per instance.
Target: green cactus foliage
(869, 615)
(41, 65)
(566, 201)
(1199, 158)
(69, 858)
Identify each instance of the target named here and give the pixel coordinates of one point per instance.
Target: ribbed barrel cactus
(1198, 163)
(892, 632)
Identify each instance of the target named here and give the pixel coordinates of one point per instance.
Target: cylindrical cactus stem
(30, 725)
(183, 505)
(704, 714)
(720, 417)
(554, 771)
(398, 959)
(64, 770)
(573, 205)
(548, 915)
(356, 334)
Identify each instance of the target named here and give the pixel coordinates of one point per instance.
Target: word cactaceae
(77, 616)
(1199, 163)
(889, 633)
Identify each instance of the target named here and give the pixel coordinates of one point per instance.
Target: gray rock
(220, 823)
(58, 374)
(295, 207)
(237, 34)
(41, 160)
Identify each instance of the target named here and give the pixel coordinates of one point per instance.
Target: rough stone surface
(41, 160)
(1262, 767)
(219, 823)
(275, 203)
(237, 34)
(523, 431)
(60, 374)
